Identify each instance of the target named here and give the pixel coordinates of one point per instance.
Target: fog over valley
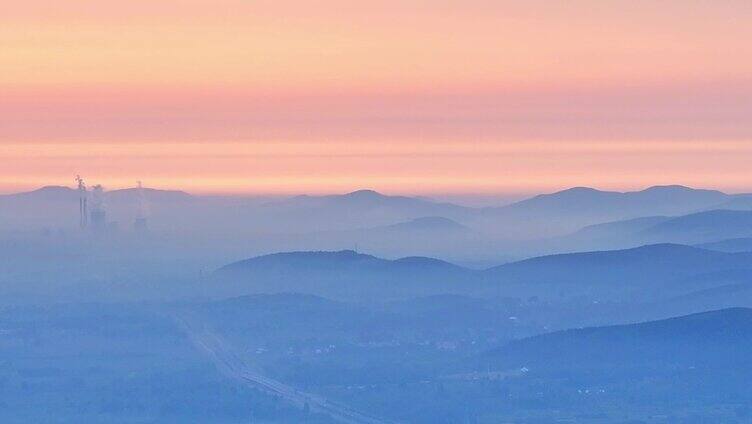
(145, 305)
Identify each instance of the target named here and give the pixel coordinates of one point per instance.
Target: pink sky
(402, 96)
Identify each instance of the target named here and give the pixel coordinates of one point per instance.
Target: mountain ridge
(694, 340)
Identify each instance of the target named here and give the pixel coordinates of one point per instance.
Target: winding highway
(234, 366)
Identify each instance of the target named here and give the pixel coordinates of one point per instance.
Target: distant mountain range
(67, 194)
(341, 275)
(614, 232)
(539, 216)
(645, 272)
(696, 228)
(363, 208)
(428, 223)
(426, 236)
(571, 209)
(733, 245)
(648, 272)
(558, 212)
(394, 226)
(737, 202)
(660, 200)
(233, 224)
(701, 227)
(56, 206)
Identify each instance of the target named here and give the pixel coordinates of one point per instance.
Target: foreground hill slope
(709, 340)
(658, 261)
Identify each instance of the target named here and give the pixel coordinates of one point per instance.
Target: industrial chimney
(83, 213)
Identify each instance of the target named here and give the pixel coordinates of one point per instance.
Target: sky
(409, 97)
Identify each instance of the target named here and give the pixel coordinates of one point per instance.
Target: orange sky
(409, 96)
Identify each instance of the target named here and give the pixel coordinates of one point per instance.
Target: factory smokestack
(83, 212)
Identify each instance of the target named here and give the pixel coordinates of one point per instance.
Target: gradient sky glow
(410, 96)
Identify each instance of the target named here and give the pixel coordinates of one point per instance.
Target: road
(223, 355)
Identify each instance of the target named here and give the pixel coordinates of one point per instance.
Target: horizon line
(287, 194)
